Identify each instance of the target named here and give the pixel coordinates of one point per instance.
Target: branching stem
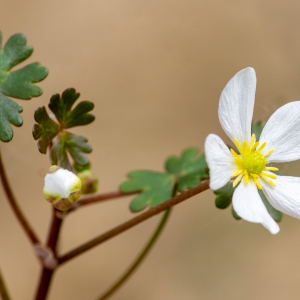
(47, 274)
(133, 222)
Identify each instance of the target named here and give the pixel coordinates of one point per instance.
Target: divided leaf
(17, 84)
(155, 188)
(61, 106)
(189, 168)
(45, 130)
(74, 144)
(9, 114)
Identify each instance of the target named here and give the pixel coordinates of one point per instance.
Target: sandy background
(155, 71)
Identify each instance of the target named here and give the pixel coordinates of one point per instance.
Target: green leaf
(9, 114)
(275, 214)
(45, 130)
(234, 214)
(224, 196)
(17, 84)
(62, 105)
(257, 129)
(74, 144)
(189, 168)
(155, 188)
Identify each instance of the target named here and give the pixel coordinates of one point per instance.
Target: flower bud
(62, 188)
(89, 182)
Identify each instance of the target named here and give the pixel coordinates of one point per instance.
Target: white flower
(62, 188)
(279, 142)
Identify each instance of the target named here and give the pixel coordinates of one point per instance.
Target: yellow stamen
(261, 147)
(268, 153)
(235, 154)
(271, 169)
(238, 146)
(257, 183)
(245, 147)
(237, 173)
(269, 175)
(254, 146)
(237, 180)
(246, 177)
(251, 164)
(268, 180)
(253, 139)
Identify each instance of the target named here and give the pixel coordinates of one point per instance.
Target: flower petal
(285, 196)
(236, 105)
(282, 133)
(220, 161)
(249, 206)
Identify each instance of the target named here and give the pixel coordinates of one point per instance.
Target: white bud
(62, 188)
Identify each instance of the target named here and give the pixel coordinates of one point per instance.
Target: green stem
(3, 289)
(140, 258)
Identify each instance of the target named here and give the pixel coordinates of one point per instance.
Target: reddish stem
(47, 274)
(15, 207)
(133, 222)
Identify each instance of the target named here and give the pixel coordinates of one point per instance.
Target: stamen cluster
(251, 163)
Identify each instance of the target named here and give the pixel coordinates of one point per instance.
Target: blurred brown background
(155, 70)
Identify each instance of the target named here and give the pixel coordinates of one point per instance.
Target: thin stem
(47, 274)
(140, 258)
(3, 289)
(98, 198)
(57, 219)
(133, 222)
(13, 203)
(44, 285)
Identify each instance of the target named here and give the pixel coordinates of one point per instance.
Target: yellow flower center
(251, 164)
(254, 163)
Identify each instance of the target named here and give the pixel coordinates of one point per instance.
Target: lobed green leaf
(17, 84)
(75, 145)
(154, 187)
(45, 130)
(189, 169)
(61, 106)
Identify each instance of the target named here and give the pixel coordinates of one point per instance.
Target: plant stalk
(15, 207)
(47, 274)
(134, 221)
(140, 258)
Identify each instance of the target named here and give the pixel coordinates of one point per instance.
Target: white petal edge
(285, 196)
(236, 105)
(60, 182)
(220, 161)
(249, 206)
(282, 133)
